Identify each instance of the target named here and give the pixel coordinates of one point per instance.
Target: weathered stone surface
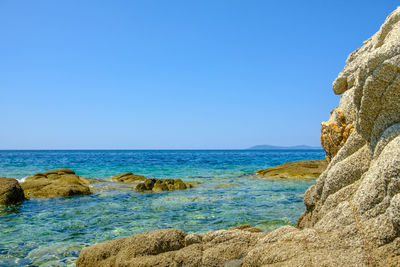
(128, 178)
(132, 250)
(335, 132)
(55, 183)
(303, 169)
(172, 248)
(193, 239)
(246, 227)
(10, 191)
(157, 185)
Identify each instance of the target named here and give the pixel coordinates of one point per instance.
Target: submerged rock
(10, 191)
(171, 248)
(55, 183)
(128, 178)
(157, 185)
(225, 185)
(303, 169)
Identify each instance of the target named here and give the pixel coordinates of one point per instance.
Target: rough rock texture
(334, 133)
(352, 215)
(247, 228)
(61, 182)
(304, 169)
(353, 212)
(156, 185)
(10, 191)
(172, 248)
(128, 178)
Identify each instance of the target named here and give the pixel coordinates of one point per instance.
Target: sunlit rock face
(56, 183)
(335, 132)
(355, 204)
(352, 215)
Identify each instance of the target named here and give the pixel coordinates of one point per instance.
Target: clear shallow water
(50, 232)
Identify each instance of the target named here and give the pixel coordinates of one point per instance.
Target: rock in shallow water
(128, 178)
(303, 169)
(10, 191)
(56, 183)
(157, 185)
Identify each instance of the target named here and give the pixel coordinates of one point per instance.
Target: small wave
(22, 179)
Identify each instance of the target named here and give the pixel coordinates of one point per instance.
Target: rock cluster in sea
(302, 169)
(352, 215)
(65, 183)
(157, 185)
(151, 184)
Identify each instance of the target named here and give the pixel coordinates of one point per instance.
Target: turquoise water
(50, 232)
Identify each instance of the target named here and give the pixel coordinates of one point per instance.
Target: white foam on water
(22, 179)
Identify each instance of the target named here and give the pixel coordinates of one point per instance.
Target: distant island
(269, 147)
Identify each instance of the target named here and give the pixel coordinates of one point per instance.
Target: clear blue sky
(174, 74)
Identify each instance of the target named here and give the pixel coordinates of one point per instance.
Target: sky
(209, 74)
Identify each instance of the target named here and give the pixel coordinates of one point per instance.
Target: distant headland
(269, 147)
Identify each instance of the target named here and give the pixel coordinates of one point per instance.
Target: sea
(52, 232)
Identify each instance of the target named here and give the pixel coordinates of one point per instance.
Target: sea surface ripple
(50, 232)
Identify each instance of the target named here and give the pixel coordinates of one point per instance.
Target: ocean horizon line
(156, 149)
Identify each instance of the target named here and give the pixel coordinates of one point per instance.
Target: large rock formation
(10, 191)
(56, 183)
(173, 248)
(352, 215)
(302, 169)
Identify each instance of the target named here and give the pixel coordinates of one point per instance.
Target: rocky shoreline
(352, 215)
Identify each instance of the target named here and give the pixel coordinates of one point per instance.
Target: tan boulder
(157, 185)
(10, 191)
(128, 178)
(303, 169)
(56, 183)
(171, 248)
